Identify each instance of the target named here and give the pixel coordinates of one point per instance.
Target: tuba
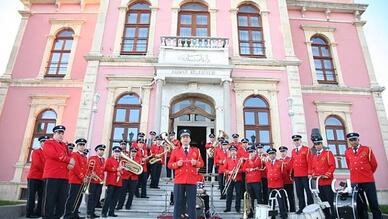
(210, 151)
(130, 164)
(169, 146)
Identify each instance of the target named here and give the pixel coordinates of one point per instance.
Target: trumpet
(130, 165)
(210, 151)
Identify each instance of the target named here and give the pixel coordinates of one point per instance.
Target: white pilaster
(226, 86)
(158, 105)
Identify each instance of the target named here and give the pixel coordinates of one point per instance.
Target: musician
(210, 160)
(220, 155)
(185, 161)
(232, 165)
(124, 177)
(76, 178)
(142, 153)
(288, 182)
(264, 180)
(300, 166)
(156, 150)
(58, 162)
(70, 147)
(86, 152)
(113, 182)
(95, 187)
(235, 141)
(253, 177)
(323, 165)
(275, 171)
(362, 165)
(34, 180)
(133, 178)
(177, 144)
(243, 152)
(151, 139)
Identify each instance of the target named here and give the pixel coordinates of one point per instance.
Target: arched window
(126, 118)
(335, 135)
(194, 20)
(136, 30)
(250, 31)
(45, 122)
(323, 61)
(257, 120)
(60, 53)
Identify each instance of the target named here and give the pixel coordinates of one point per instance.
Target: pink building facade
(262, 68)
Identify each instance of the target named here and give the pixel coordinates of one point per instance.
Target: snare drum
(313, 211)
(346, 205)
(261, 212)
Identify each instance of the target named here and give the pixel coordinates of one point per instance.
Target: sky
(376, 31)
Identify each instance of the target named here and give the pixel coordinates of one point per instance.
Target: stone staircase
(156, 204)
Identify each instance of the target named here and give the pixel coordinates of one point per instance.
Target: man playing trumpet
(185, 161)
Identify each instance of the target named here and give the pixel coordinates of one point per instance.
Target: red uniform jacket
(77, 174)
(112, 173)
(300, 161)
(143, 153)
(323, 164)
(37, 165)
(275, 174)
(287, 170)
(242, 152)
(157, 150)
(177, 143)
(361, 165)
(252, 170)
(208, 145)
(132, 176)
(263, 157)
(200, 177)
(99, 168)
(230, 164)
(125, 173)
(185, 174)
(57, 157)
(219, 159)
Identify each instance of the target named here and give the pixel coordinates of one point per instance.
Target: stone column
(158, 104)
(226, 85)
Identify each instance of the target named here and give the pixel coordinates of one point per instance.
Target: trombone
(84, 189)
(232, 175)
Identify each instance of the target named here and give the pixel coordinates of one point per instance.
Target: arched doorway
(196, 113)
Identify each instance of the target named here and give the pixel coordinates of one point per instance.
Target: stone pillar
(158, 104)
(226, 85)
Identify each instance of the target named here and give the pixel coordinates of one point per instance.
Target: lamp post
(253, 139)
(130, 139)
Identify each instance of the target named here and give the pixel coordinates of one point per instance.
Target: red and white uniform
(143, 153)
(111, 166)
(275, 171)
(125, 173)
(185, 174)
(99, 168)
(37, 165)
(362, 165)
(155, 149)
(232, 163)
(57, 157)
(287, 170)
(252, 170)
(132, 176)
(220, 157)
(78, 173)
(263, 168)
(323, 165)
(300, 161)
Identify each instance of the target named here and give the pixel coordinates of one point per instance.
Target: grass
(5, 202)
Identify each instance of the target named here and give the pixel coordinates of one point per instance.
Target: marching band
(60, 177)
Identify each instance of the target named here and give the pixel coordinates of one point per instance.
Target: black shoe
(137, 195)
(223, 197)
(227, 210)
(99, 206)
(127, 208)
(144, 197)
(299, 211)
(104, 215)
(112, 215)
(119, 208)
(171, 203)
(96, 215)
(90, 216)
(237, 210)
(32, 216)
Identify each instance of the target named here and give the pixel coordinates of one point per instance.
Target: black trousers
(54, 198)
(93, 198)
(210, 164)
(131, 191)
(155, 174)
(368, 189)
(291, 197)
(34, 188)
(111, 197)
(229, 195)
(185, 193)
(255, 193)
(281, 199)
(302, 185)
(72, 207)
(327, 194)
(168, 170)
(142, 185)
(123, 193)
(264, 190)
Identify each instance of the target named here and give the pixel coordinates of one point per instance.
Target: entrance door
(198, 139)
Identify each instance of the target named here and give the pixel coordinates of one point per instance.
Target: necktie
(297, 150)
(355, 150)
(186, 151)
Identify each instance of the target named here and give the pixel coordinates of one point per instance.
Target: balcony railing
(195, 42)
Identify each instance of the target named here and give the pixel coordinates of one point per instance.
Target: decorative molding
(334, 89)
(324, 6)
(317, 28)
(44, 83)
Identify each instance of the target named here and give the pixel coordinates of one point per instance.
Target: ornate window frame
(264, 13)
(123, 9)
(58, 25)
(328, 33)
(38, 104)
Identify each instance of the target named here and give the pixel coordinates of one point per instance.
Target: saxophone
(210, 151)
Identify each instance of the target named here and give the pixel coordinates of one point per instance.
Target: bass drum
(346, 205)
(261, 212)
(200, 207)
